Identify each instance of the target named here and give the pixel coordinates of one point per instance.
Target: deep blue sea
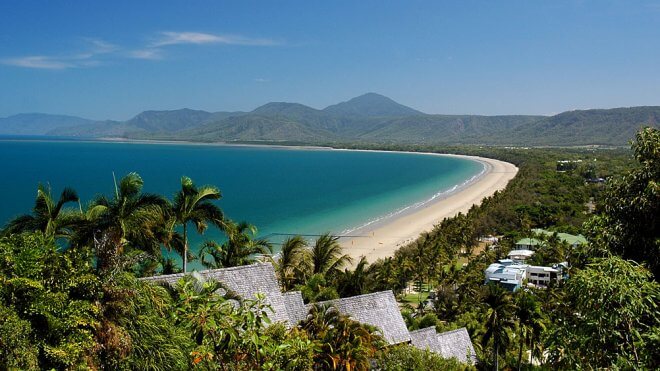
(280, 190)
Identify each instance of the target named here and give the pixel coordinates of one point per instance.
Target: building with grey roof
(246, 281)
(378, 309)
(457, 344)
(450, 344)
(295, 306)
(426, 338)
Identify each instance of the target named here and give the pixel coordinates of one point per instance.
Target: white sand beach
(384, 239)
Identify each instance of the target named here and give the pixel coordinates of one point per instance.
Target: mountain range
(369, 118)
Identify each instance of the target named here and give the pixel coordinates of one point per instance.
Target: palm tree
(530, 320)
(354, 282)
(48, 216)
(499, 308)
(345, 344)
(194, 205)
(131, 218)
(289, 261)
(240, 248)
(326, 256)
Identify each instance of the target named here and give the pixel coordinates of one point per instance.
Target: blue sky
(114, 59)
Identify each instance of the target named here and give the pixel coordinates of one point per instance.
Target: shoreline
(383, 238)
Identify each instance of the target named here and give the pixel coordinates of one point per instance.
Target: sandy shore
(384, 239)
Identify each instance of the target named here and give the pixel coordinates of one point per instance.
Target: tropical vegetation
(70, 297)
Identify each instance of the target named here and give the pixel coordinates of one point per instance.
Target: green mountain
(168, 121)
(597, 126)
(370, 118)
(38, 123)
(371, 105)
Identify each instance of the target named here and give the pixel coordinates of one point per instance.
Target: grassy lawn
(415, 298)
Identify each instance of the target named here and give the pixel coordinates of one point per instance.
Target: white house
(512, 274)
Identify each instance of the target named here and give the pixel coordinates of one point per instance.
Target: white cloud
(39, 62)
(261, 80)
(149, 53)
(85, 58)
(97, 51)
(176, 38)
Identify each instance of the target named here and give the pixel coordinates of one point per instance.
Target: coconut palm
(129, 219)
(289, 261)
(240, 248)
(194, 205)
(354, 282)
(48, 216)
(499, 309)
(345, 344)
(530, 320)
(326, 256)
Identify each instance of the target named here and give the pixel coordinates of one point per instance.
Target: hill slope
(370, 118)
(371, 105)
(38, 123)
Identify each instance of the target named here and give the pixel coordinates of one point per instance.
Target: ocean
(281, 191)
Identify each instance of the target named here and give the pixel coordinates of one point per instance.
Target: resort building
(450, 344)
(513, 275)
(535, 243)
(506, 273)
(529, 244)
(573, 240)
(378, 309)
(520, 256)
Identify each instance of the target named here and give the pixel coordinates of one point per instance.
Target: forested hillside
(370, 118)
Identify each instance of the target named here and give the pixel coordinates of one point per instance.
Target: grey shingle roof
(246, 281)
(450, 344)
(457, 344)
(378, 309)
(295, 306)
(426, 338)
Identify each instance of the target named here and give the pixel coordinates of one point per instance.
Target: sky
(114, 59)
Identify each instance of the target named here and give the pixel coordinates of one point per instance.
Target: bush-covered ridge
(370, 118)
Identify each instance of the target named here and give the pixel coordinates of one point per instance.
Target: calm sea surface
(280, 191)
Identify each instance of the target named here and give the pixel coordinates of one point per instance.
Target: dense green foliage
(70, 299)
(561, 326)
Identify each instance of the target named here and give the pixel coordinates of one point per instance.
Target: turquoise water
(281, 191)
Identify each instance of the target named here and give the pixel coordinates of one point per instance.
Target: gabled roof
(246, 281)
(457, 344)
(426, 338)
(566, 237)
(378, 309)
(529, 242)
(450, 344)
(295, 306)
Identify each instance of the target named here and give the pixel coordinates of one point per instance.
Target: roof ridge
(377, 293)
(425, 329)
(207, 271)
(461, 329)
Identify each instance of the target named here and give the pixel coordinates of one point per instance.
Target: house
(520, 256)
(295, 306)
(535, 243)
(246, 281)
(567, 165)
(573, 240)
(542, 276)
(507, 273)
(512, 275)
(378, 309)
(529, 244)
(450, 344)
